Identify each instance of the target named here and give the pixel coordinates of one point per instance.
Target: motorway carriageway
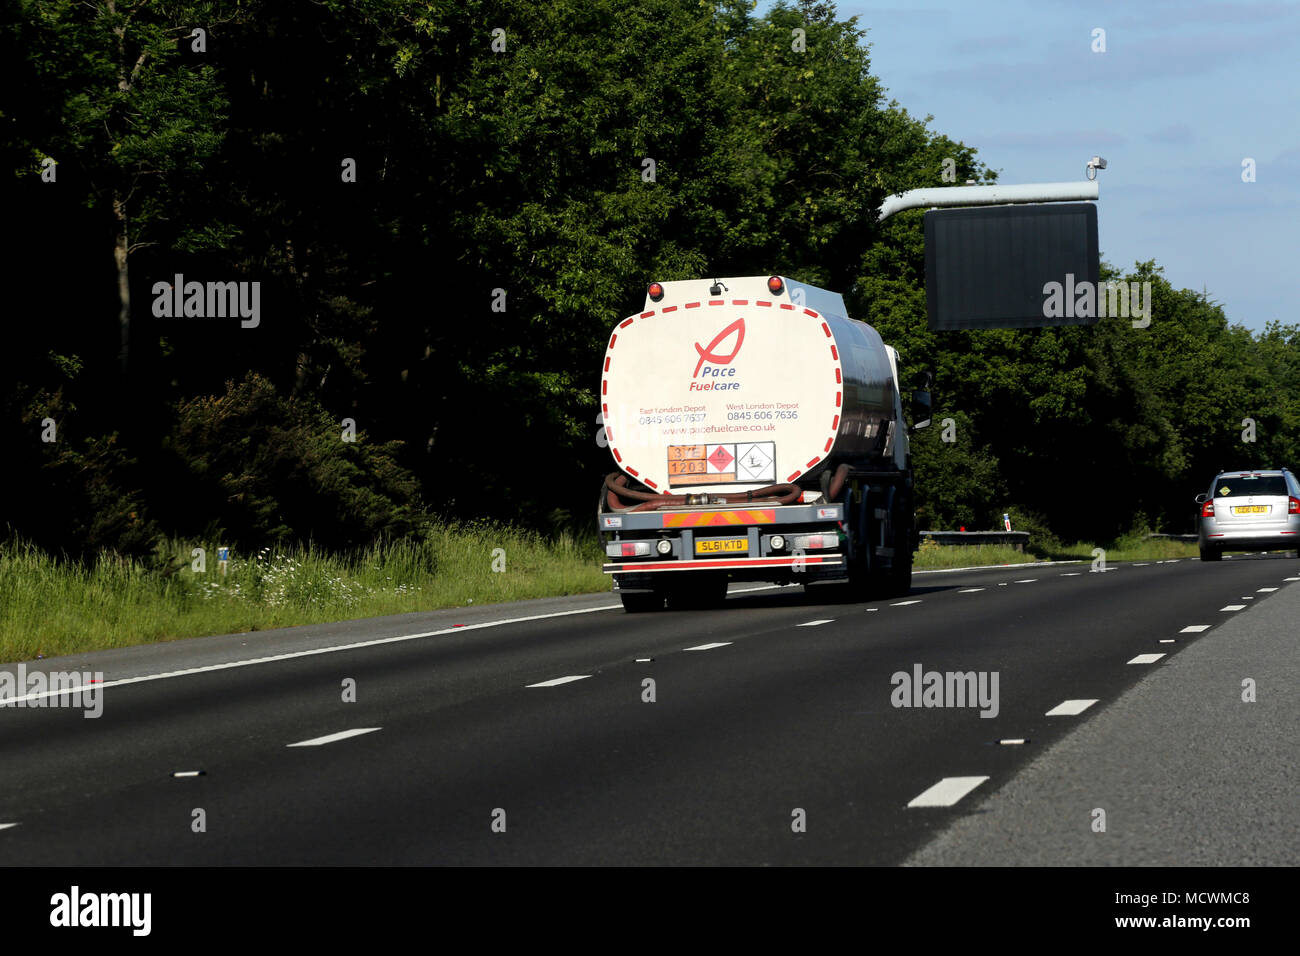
(1118, 689)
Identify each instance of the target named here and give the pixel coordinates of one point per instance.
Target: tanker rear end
(759, 436)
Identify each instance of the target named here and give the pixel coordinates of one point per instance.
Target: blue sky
(1183, 94)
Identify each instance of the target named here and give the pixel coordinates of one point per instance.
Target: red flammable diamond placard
(721, 458)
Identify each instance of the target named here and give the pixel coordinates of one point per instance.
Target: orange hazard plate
(721, 545)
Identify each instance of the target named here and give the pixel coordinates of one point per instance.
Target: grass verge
(50, 607)
(933, 556)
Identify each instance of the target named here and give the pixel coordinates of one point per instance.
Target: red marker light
(656, 291)
(775, 285)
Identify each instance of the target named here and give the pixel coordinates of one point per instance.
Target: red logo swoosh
(708, 355)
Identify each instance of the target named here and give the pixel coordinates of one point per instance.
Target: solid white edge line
(355, 645)
(1195, 628)
(1146, 658)
(331, 738)
(556, 682)
(707, 647)
(1070, 708)
(946, 792)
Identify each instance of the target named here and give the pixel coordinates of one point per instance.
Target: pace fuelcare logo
(707, 353)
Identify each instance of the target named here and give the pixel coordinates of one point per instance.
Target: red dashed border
(835, 357)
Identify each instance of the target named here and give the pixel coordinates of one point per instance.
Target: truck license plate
(1250, 510)
(721, 545)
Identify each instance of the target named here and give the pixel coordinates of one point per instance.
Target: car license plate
(721, 545)
(1250, 510)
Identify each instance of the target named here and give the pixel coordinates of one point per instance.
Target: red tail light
(1207, 509)
(1293, 506)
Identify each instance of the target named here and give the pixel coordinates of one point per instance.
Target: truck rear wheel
(899, 579)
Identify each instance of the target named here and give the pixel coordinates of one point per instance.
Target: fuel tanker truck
(758, 435)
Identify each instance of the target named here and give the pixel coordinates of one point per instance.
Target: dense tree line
(446, 205)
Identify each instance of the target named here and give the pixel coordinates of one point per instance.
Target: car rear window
(1234, 487)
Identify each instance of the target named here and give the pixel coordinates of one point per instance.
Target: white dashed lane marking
(1027, 581)
(814, 623)
(1070, 708)
(6, 826)
(1146, 658)
(969, 590)
(904, 603)
(946, 792)
(1194, 628)
(1264, 590)
(707, 647)
(331, 738)
(1233, 607)
(560, 680)
(1071, 574)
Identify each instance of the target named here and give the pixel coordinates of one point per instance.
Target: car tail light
(1207, 509)
(1293, 506)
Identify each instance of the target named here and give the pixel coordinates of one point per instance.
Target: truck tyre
(898, 582)
(639, 602)
(1211, 554)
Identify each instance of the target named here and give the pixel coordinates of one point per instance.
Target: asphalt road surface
(524, 733)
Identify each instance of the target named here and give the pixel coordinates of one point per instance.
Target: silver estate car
(1249, 511)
